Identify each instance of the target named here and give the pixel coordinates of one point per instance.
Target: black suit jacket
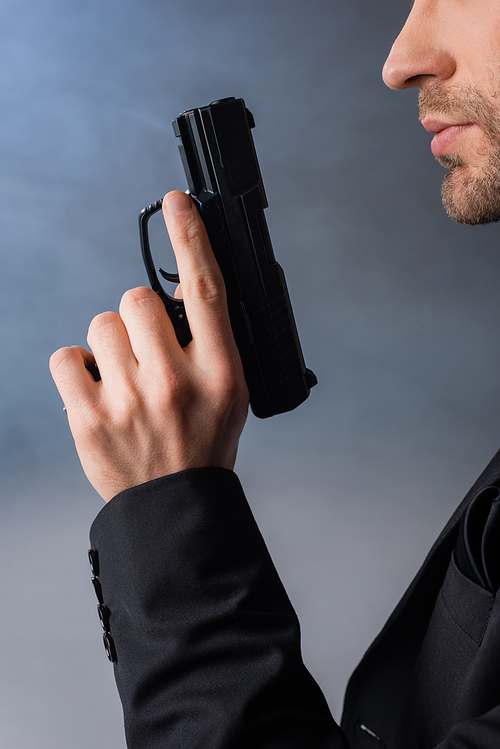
(206, 644)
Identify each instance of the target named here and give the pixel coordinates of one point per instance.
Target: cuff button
(103, 612)
(98, 589)
(94, 562)
(109, 647)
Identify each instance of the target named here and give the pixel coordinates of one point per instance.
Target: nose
(419, 54)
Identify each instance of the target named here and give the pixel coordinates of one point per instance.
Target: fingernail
(179, 202)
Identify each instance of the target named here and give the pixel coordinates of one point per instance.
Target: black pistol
(225, 182)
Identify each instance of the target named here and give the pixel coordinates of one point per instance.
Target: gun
(223, 174)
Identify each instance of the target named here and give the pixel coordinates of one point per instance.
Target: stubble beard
(470, 193)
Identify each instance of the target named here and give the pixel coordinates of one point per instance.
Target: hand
(158, 408)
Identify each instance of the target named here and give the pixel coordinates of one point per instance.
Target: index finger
(203, 288)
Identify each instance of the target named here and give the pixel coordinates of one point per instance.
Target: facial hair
(470, 194)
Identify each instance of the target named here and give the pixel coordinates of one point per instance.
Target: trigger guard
(175, 307)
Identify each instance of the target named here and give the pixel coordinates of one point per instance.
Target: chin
(471, 195)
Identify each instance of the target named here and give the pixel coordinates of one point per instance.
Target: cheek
(493, 81)
(478, 149)
(481, 45)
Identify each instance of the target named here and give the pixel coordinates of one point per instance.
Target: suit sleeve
(205, 640)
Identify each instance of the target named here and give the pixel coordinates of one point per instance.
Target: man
(204, 641)
(451, 52)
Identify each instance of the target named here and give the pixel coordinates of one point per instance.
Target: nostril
(412, 81)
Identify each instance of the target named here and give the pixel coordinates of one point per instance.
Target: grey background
(397, 309)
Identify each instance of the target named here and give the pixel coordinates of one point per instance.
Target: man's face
(450, 50)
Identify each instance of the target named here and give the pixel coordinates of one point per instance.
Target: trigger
(172, 277)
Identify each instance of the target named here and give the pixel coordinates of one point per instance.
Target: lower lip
(443, 142)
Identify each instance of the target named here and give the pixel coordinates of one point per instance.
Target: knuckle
(207, 288)
(108, 417)
(60, 357)
(138, 296)
(90, 418)
(229, 388)
(104, 320)
(173, 389)
(105, 324)
(237, 390)
(126, 409)
(194, 229)
(176, 392)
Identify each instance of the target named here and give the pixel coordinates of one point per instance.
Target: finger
(70, 369)
(150, 331)
(110, 344)
(90, 363)
(202, 283)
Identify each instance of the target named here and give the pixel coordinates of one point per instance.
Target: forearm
(208, 644)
